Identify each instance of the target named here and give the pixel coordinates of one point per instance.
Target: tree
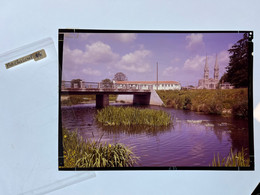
(120, 77)
(237, 70)
(107, 83)
(223, 78)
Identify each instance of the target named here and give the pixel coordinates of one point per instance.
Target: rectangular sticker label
(38, 55)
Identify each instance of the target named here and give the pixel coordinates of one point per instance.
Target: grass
(80, 99)
(238, 159)
(79, 153)
(129, 116)
(134, 130)
(219, 101)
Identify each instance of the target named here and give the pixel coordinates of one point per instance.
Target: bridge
(102, 91)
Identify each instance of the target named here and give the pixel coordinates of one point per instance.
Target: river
(192, 140)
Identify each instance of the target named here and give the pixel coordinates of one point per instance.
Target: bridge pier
(141, 99)
(102, 100)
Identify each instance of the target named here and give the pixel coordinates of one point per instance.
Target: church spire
(216, 69)
(206, 69)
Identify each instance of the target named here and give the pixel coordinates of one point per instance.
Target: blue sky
(181, 57)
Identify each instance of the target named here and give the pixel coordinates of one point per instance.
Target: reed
(238, 159)
(129, 116)
(80, 153)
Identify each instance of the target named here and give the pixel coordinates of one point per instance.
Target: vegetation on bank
(237, 159)
(219, 101)
(128, 116)
(80, 153)
(81, 99)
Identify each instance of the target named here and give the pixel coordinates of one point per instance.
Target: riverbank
(220, 101)
(69, 100)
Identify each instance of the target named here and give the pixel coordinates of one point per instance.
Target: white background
(23, 22)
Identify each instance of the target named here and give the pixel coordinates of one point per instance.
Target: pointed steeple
(216, 69)
(206, 69)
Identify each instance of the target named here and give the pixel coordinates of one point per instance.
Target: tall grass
(219, 101)
(128, 116)
(238, 159)
(135, 129)
(79, 153)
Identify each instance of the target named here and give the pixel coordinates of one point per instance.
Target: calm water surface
(192, 140)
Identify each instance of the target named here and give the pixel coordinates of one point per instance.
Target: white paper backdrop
(26, 21)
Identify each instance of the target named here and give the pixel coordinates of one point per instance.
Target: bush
(241, 109)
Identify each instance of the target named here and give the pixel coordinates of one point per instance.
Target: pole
(157, 76)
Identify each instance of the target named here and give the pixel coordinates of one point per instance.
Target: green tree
(120, 77)
(107, 83)
(237, 70)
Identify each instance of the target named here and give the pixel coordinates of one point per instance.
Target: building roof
(147, 82)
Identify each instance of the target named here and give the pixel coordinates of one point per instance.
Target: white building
(226, 85)
(145, 85)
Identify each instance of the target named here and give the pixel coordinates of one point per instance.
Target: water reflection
(192, 140)
(137, 129)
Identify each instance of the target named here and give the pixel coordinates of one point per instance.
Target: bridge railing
(79, 85)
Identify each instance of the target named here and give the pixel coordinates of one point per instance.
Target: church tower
(206, 69)
(216, 69)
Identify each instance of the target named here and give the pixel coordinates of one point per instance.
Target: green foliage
(115, 116)
(120, 77)
(79, 153)
(238, 159)
(208, 101)
(237, 70)
(107, 83)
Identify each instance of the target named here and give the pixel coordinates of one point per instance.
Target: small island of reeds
(129, 116)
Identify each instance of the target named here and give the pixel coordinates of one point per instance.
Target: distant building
(226, 85)
(206, 82)
(162, 85)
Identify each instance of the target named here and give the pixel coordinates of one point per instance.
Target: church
(206, 82)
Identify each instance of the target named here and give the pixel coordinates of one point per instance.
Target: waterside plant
(129, 116)
(219, 101)
(80, 153)
(237, 159)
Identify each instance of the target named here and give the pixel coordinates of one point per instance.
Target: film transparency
(29, 115)
(155, 100)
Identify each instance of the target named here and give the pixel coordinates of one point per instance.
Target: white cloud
(90, 71)
(223, 57)
(95, 53)
(195, 41)
(194, 63)
(135, 61)
(169, 71)
(125, 37)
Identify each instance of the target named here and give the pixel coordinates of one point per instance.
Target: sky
(181, 57)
